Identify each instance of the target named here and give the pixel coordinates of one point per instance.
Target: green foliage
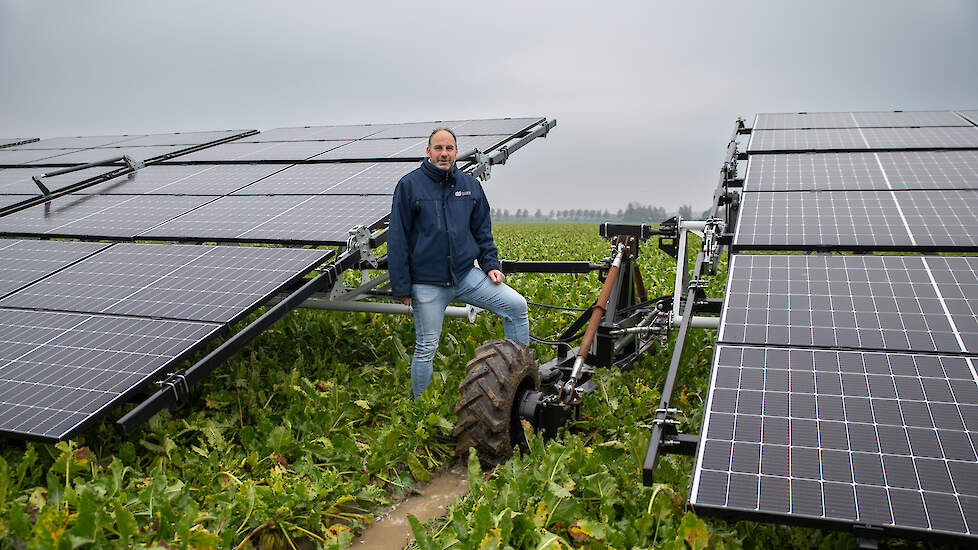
(300, 438)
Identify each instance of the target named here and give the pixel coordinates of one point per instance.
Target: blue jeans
(429, 303)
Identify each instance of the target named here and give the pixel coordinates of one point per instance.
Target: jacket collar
(437, 174)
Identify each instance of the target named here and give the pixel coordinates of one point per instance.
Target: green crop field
(298, 440)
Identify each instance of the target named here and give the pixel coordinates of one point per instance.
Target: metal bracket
(867, 536)
(711, 245)
(41, 186)
(133, 164)
(360, 241)
(483, 162)
(177, 382)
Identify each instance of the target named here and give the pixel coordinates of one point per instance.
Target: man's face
(442, 150)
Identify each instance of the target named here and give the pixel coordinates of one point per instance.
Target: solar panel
(405, 147)
(181, 138)
(332, 179)
(859, 220)
(17, 181)
(308, 133)
(98, 216)
(20, 157)
(10, 200)
(61, 371)
(880, 439)
(894, 303)
(497, 126)
(166, 179)
(285, 151)
(322, 219)
(26, 261)
(190, 282)
(77, 142)
(104, 153)
(892, 119)
(863, 139)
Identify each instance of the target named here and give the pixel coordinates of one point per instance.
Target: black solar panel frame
(105, 254)
(856, 119)
(735, 512)
(215, 330)
(168, 231)
(9, 246)
(841, 140)
(13, 142)
(909, 230)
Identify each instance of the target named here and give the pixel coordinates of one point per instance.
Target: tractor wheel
(487, 412)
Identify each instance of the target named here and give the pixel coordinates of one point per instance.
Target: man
(439, 227)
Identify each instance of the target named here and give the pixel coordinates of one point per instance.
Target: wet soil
(390, 529)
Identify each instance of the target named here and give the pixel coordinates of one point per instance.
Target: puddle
(392, 529)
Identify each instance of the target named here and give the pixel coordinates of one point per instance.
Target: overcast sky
(645, 93)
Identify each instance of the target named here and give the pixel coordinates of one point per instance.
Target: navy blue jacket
(439, 224)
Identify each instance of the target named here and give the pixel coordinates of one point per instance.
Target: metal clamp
(697, 283)
(711, 245)
(177, 382)
(483, 162)
(133, 164)
(360, 240)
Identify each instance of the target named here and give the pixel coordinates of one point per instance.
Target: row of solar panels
(83, 325)
(882, 200)
(297, 144)
(844, 389)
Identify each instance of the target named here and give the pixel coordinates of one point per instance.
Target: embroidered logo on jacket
(463, 193)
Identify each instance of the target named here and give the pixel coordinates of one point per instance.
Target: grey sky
(645, 93)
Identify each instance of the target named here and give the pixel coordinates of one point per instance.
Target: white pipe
(698, 321)
(467, 312)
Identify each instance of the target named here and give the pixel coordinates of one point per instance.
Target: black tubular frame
(666, 437)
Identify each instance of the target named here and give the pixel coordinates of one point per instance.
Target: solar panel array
(83, 325)
(844, 389)
(88, 323)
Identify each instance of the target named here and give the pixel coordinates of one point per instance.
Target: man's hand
(406, 300)
(496, 276)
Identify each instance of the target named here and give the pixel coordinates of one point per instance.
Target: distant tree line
(634, 212)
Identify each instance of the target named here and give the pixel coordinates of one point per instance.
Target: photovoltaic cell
(181, 138)
(96, 154)
(320, 219)
(61, 371)
(332, 179)
(876, 220)
(863, 171)
(190, 282)
(317, 133)
(405, 147)
(892, 119)
(894, 303)
(883, 439)
(26, 261)
(100, 216)
(77, 142)
(174, 179)
(17, 181)
(863, 139)
(21, 157)
(285, 151)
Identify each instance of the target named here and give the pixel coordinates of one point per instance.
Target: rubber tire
(487, 412)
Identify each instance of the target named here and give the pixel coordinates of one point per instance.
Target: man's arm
(398, 257)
